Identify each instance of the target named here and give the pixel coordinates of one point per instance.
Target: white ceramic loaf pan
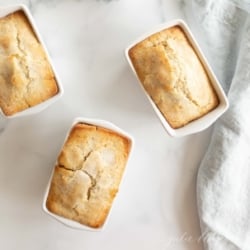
(99, 123)
(206, 120)
(4, 11)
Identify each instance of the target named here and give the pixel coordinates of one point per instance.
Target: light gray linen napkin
(223, 182)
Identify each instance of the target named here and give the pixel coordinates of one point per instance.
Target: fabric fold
(223, 182)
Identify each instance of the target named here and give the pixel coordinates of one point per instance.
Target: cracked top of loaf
(173, 76)
(26, 77)
(87, 175)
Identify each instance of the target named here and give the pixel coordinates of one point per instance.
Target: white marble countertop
(156, 205)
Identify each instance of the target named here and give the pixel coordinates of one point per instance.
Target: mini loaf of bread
(173, 76)
(26, 77)
(87, 175)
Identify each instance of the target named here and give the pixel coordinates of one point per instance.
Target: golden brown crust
(174, 77)
(26, 77)
(87, 176)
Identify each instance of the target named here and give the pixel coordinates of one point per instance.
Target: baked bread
(87, 175)
(26, 77)
(173, 76)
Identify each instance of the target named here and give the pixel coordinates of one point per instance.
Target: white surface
(156, 206)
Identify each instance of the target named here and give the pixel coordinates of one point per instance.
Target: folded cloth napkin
(223, 182)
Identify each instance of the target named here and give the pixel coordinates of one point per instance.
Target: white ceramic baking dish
(206, 120)
(99, 123)
(4, 11)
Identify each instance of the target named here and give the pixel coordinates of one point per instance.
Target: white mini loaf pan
(99, 123)
(4, 11)
(206, 120)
